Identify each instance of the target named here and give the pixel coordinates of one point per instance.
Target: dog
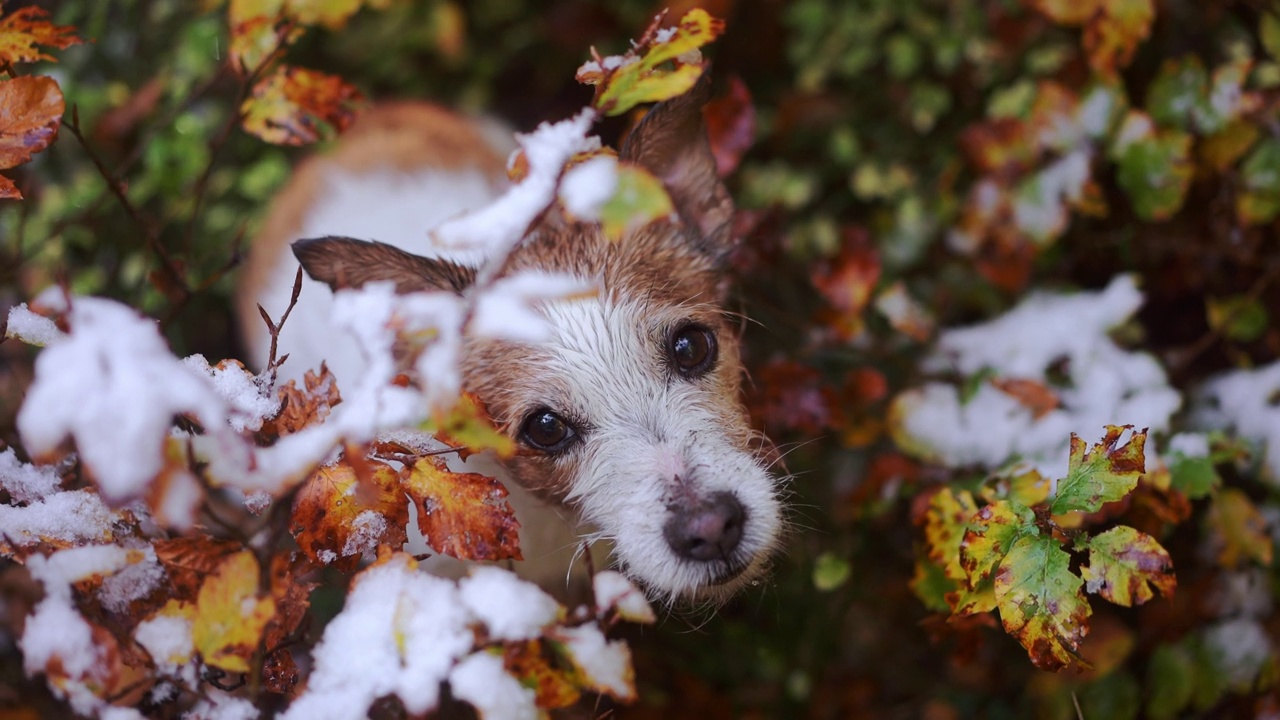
(630, 414)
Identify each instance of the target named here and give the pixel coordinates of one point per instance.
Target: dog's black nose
(708, 531)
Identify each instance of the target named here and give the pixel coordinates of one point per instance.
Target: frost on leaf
(622, 82)
(615, 593)
(1041, 601)
(465, 515)
(230, 617)
(30, 114)
(297, 106)
(25, 30)
(1104, 473)
(347, 510)
(1127, 566)
(605, 665)
(303, 407)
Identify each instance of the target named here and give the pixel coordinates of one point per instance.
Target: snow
(31, 328)
(1040, 208)
(499, 226)
(251, 398)
(71, 517)
(1189, 445)
(406, 627)
(26, 483)
(114, 387)
(136, 580)
(168, 640)
(217, 705)
(505, 310)
(613, 590)
(606, 665)
(1107, 385)
(366, 530)
(586, 187)
(1239, 649)
(664, 35)
(1245, 401)
(511, 608)
(482, 681)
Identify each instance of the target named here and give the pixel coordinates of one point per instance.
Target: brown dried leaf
(30, 114)
(303, 408)
(342, 511)
(189, 560)
(1035, 396)
(465, 515)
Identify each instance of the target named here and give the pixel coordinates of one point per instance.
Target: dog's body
(630, 411)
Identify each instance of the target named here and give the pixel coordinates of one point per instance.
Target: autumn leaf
(23, 31)
(639, 199)
(189, 560)
(1035, 396)
(1041, 602)
(731, 125)
(468, 427)
(1113, 35)
(1259, 199)
(946, 516)
(1101, 474)
(532, 663)
(1024, 486)
(343, 512)
(302, 408)
(990, 536)
(846, 282)
(1237, 531)
(31, 110)
(230, 617)
(1125, 565)
(464, 515)
(633, 79)
(1067, 12)
(297, 106)
(1155, 167)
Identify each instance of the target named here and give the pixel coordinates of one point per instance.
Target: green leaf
(639, 199)
(1155, 172)
(1270, 33)
(991, 534)
(1125, 565)
(1259, 201)
(1171, 678)
(1041, 603)
(1239, 318)
(643, 79)
(931, 584)
(830, 572)
(1177, 91)
(1195, 477)
(1104, 473)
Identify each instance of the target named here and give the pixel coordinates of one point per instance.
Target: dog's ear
(671, 142)
(346, 263)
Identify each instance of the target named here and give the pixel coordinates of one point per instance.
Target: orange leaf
(340, 513)
(846, 282)
(189, 560)
(465, 515)
(26, 29)
(1035, 396)
(297, 106)
(533, 665)
(30, 115)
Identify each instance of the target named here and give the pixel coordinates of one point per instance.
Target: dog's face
(631, 410)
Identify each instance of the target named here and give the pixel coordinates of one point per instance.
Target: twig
(167, 265)
(274, 328)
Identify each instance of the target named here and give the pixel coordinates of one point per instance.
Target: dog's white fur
(652, 443)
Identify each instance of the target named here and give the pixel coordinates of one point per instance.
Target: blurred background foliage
(909, 171)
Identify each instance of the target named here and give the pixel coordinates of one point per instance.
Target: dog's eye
(547, 431)
(693, 350)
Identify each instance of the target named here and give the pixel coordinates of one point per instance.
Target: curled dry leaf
(465, 515)
(297, 106)
(30, 114)
(344, 511)
(23, 31)
(302, 408)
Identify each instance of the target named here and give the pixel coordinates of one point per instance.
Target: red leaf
(731, 125)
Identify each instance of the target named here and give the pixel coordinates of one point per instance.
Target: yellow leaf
(24, 30)
(297, 106)
(948, 514)
(639, 199)
(465, 515)
(1237, 531)
(230, 617)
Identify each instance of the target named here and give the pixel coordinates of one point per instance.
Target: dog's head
(631, 411)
